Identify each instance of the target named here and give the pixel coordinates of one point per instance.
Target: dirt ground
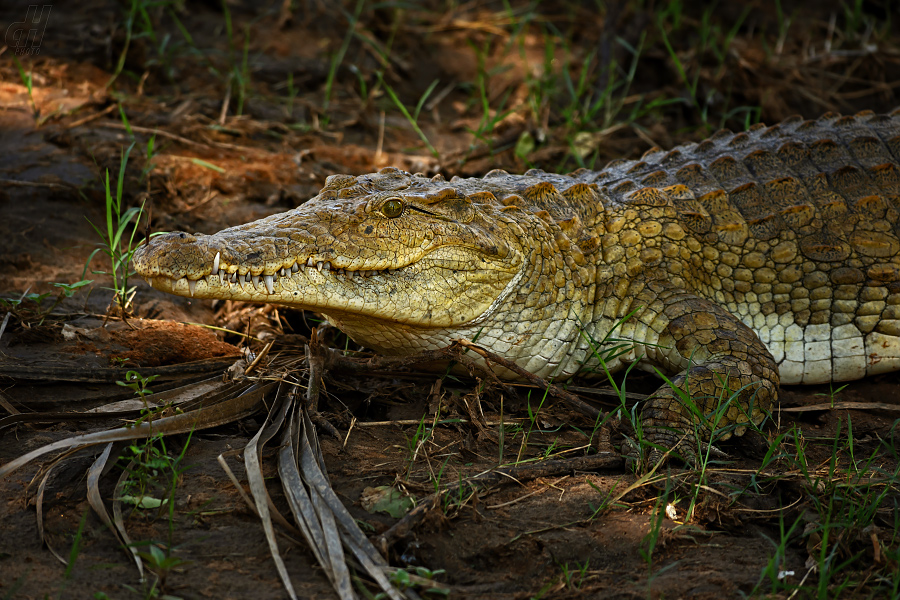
(250, 107)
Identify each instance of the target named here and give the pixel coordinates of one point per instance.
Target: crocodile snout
(176, 254)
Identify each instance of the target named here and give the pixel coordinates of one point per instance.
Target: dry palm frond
(319, 515)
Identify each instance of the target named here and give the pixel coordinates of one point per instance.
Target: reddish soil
(214, 166)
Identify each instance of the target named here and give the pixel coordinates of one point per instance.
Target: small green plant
(161, 561)
(77, 540)
(149, 463)
(711, 40)
(532, 420)
(832, 393)
(603, 353)
(151, 485)
(850, 503)
(415, 443)
(66, 290)
(28, 82)
(147, 459)
(419, 578)
(775, 571)
(414, 118)
(130, 17)
(606, 501)
(116, 241)
(489, 117)
(166, 48)
(139, 384)
(456, 501)
(651, 540)
(573, 577)
(338, 57)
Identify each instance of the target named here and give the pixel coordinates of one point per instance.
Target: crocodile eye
(392, 208)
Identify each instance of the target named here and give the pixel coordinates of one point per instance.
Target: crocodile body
(728, 265)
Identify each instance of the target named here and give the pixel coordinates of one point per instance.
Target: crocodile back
(793, 228)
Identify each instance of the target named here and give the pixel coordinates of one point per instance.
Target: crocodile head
(387, 257)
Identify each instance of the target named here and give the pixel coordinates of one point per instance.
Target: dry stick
(223, 114)
(210, 144)
(259, 358)
(571, 399)
(38, 184)
(7, 405)
(546, 468)
(92, 117)
(156, 131)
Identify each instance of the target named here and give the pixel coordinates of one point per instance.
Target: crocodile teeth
(310, 262)
(269, 284)
(255, 279)
(281, 272)
(234, 277)
(325, 266)
(295, 267)
(215, 268)
(319, 266)
(192, 285)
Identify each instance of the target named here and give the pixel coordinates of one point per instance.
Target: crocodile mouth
(255, 280)
(414, 287)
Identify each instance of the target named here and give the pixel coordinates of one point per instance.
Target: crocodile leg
(727, 372)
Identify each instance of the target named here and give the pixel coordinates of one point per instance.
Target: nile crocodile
(726, 265)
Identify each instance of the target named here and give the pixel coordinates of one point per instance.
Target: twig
(223, 114)
(92, 117)
(526, 496)
(36, 184)
(7, 405)
(259, 358)
(155, 131)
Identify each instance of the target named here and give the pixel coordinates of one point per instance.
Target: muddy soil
(251, 125)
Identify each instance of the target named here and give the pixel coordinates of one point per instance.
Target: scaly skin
(739, 260)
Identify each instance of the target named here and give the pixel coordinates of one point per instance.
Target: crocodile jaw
(416, 294)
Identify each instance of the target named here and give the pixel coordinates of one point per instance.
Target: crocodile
(731, 265)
